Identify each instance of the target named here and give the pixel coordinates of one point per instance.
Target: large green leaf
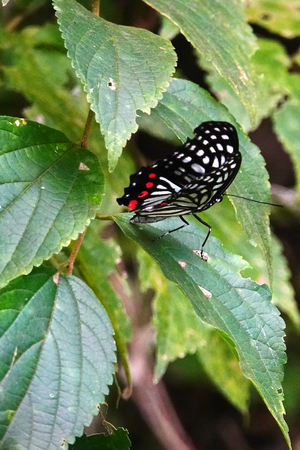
(219, 31)
(180, 331)
(221, 297)
(230, 233)
(123, 69)
(49, 191)
(185, 105)
(57, 355)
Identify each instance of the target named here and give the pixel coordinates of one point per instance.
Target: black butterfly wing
(149, 186)
(188, 181)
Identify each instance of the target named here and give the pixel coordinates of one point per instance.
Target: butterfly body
(190, 180)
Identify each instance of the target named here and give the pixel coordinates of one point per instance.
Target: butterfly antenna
(255, 201)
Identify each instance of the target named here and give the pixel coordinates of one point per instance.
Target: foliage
(57, 350)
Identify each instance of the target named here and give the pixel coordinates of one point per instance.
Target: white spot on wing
(206, 160)
(197, 168)
(187, 159)
(216, 162)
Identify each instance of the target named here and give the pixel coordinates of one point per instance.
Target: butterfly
(189, 181)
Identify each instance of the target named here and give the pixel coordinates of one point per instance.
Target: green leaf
(118, 440)
(286, 125)
(49, 191)
(185, 105)
(123, 69)
(230, 233)
(57, 355)
(271, 64)
(35, 65)
(180, 331)
(178, 328)
(96, 262)
(222, 298)
(280, 16)
(221, 364)
(219, 31)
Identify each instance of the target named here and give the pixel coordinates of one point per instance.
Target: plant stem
(87, 129)
(96, 7)
(75, 251)
(84, 144)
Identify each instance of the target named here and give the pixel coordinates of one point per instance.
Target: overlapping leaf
(179, 331)
(49, 191)
(96, 262)
(123, 69)
(271, 64)
(57, 355)
(219, 31)
(222, 298)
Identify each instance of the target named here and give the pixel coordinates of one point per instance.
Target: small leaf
(221, 364)
(222, 298)
(185, 105)
(280, 16)
(219, 31)
(123, 69)
(283, 291)
(57, 355)
(45, 199)
(286, 125)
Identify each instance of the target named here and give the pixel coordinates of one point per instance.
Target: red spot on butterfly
(132, 204)
(143, 194)
(163, 204)
(152, 175)
(149, 185)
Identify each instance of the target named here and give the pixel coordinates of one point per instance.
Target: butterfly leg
(207, 236)
(175, 229)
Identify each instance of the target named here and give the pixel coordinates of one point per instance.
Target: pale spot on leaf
(205, 292)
